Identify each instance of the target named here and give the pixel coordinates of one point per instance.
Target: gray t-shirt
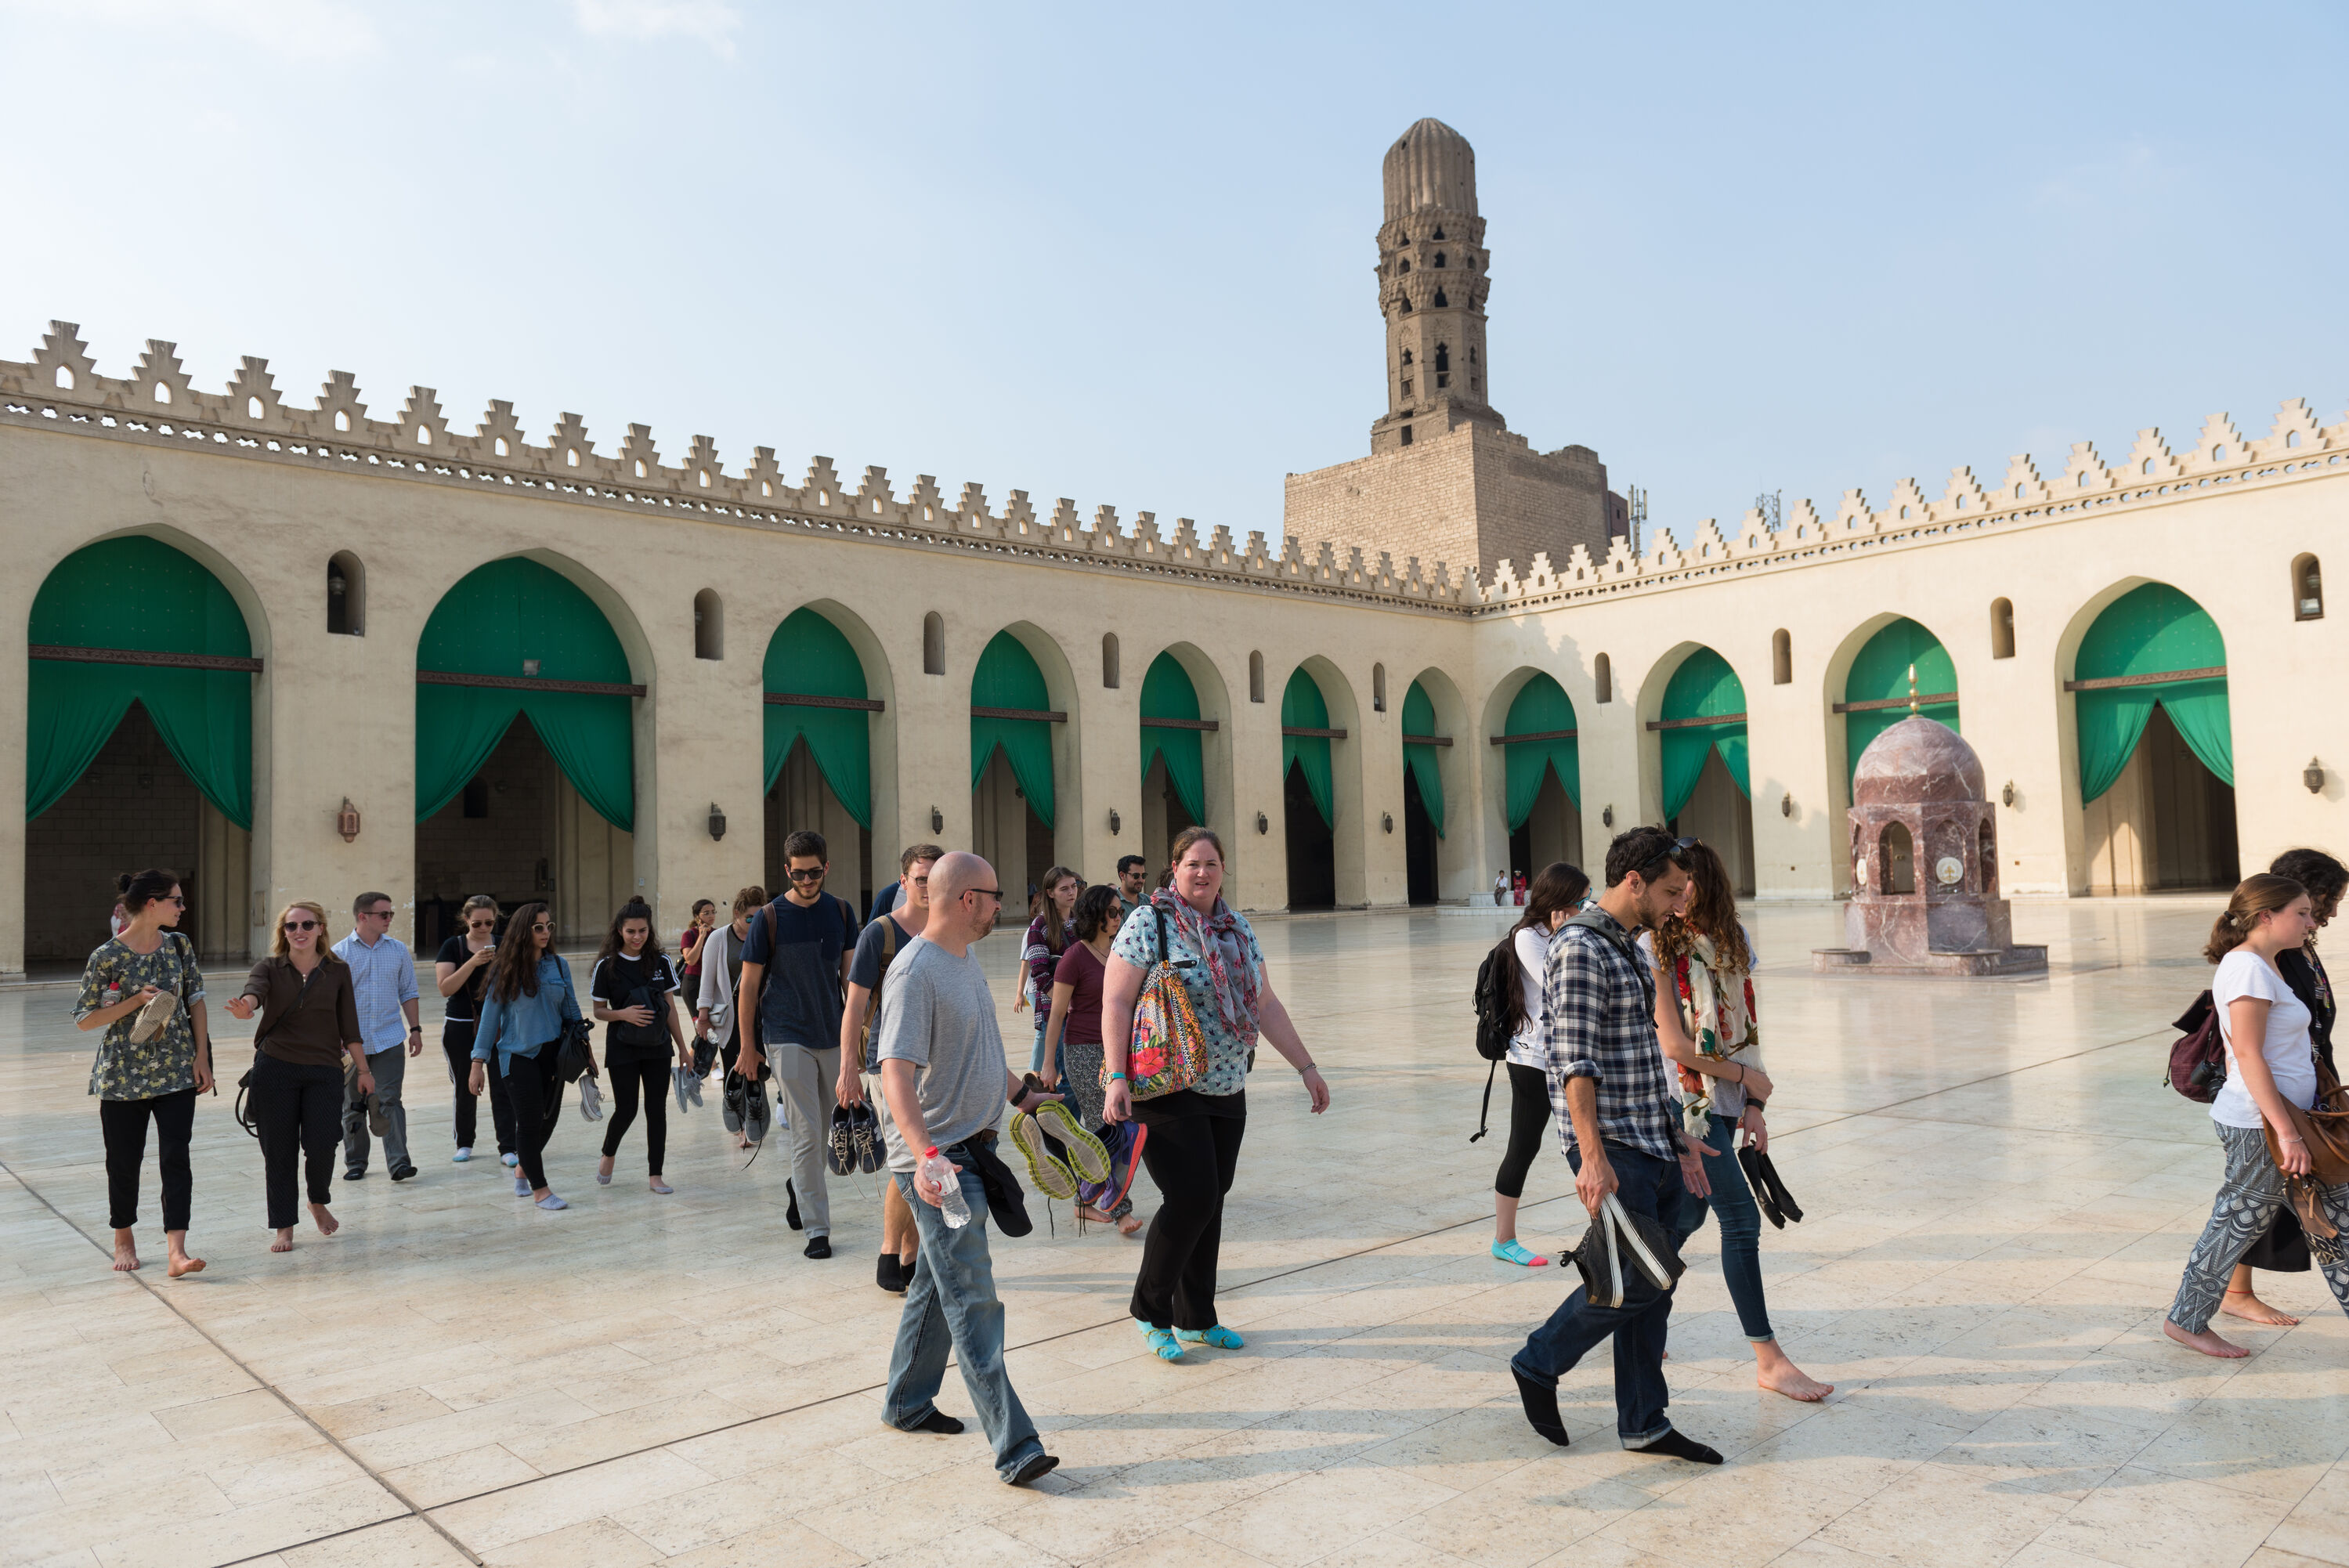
(937, 1014)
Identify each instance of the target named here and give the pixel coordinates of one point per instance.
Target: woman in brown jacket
(309, 1022)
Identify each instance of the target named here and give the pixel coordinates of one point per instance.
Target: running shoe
(865, 1133)
(1086, 1156)
(693, 1087)
(1125, 1143)
(678, 1078)
(840, 1149)
(591, 1100)
(153, 1017)
(1045, 1173)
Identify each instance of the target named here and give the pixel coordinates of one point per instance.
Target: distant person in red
(1520, 885)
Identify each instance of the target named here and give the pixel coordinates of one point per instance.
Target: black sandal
(1749, 1160)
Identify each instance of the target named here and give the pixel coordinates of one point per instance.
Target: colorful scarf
(1221, 942)
(1718, 1010)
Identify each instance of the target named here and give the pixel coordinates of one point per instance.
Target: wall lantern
(1607, 818)
(1786, 805)
(1386, 820)
(346, 820)
(1115, 822)
(1263, 823)
(937, 821)
(2006, 796)
(717, 822)
(2313, 777)
(336, 585)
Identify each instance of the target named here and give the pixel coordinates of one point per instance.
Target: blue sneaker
(460, 1157)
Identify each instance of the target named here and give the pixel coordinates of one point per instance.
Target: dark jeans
(623, 1078)
(1530, 1123)
(298, 1111)
(457, 1045)
(536, 1096)
(1649, 1186)
(1741, 1227)
(123, 1122)
(1190, 1156)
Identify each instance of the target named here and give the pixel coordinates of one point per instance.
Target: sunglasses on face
(379, 915)
(481, 924)
(815, 875)
(301, 925)
(542, 925)
(994, 892)
(174, 899)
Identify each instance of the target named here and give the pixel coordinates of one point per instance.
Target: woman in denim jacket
(529, 1001)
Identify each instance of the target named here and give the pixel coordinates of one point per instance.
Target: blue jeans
(951, 1305)
(1741, 1228)
(1648, 1186)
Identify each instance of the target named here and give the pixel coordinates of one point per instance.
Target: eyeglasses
(378, 914)
(815, 875)
(173, 898)
(994, 892)
(921, 882)
(301, 925)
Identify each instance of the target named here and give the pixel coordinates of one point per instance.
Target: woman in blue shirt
(529, 1000)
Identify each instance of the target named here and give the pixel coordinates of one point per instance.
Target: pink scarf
(1220, 941)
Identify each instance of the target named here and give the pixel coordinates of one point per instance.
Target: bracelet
(1117, 1078)
(1308, 1068)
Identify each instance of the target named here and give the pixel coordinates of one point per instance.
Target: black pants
(1191, 1155)
(1529, 1120)
(536, 1096)
(124, 1124)
(457, 1045)
(299, 1110)
(623, 1078)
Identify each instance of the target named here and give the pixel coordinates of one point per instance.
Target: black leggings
(124, 1124)
(536, 1096)
(1529, 1119)
(623, 1077)
(299, 1110)
(457, 1045)
(1191, 1156)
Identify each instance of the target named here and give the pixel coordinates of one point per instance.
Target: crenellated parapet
(60, 387)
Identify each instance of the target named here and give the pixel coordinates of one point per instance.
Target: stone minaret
(1432, 279)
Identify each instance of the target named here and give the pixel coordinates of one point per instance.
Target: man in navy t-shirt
(794, 965)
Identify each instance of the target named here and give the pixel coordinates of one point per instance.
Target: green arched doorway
(1011, 782)
(1309, 793)
(2157, 746)
(819, 750)
(1422, 796)
(1173, 758)
(1701, 751)
(1542, 777)
(138, 746)
(1876, 691)
(525, 753)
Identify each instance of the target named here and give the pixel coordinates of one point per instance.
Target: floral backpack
(1170, 1049)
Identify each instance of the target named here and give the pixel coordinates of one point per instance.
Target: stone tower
(1433, 275)
(1446, 479)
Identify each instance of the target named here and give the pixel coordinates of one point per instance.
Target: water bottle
(941, 1170)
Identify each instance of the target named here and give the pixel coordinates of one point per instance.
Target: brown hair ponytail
(2263, 893)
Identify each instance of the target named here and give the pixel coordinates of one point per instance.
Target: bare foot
(1790, 1380)
(126, 1252)
(2206, 1341)
(284, 1242)
(1093, 1216)
(183, 1264)
(1129, 1225)
(2242, 1304)
(328, 1224)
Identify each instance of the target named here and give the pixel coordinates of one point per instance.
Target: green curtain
(2151, 630)
(495, 617)
(1167, 693)
(1881, 670)
(1541, 705)
(1703, 687)
(1303, 706)
(139, 594)
(809, 656)
(1419, 762)
(1007, 677)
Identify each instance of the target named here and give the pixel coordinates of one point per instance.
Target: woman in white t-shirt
(2268, 914)
(1558, 893)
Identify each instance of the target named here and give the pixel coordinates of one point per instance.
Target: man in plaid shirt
(1619, 1117)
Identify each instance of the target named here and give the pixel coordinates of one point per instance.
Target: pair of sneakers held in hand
(1066, 1159)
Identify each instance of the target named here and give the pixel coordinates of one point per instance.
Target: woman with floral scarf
(1706, 1021)
(1194, 1145)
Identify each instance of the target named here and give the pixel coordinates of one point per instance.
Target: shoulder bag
(1169, 1051)
(2323, 1127)
(872, 1003)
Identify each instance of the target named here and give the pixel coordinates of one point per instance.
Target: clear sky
(1123, 254)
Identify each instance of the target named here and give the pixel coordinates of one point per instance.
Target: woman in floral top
(142, 987)
(1194, 1145)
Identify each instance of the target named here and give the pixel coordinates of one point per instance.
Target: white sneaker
(460, 1157)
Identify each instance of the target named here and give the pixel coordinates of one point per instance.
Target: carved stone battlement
(60, 387)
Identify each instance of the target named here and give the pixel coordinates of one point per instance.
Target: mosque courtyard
(1999, 1194)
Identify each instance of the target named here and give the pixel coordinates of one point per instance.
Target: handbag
(2323, 1128)
(573, 1059)
(1169, 1052)
(1617, 1237)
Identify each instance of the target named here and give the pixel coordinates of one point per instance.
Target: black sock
(1541, 1407)
(1675, 1446)
(936, 1421)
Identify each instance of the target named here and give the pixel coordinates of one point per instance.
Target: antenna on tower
(1767, 504)
(1639, 514)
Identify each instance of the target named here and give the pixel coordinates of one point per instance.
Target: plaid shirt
(1598, 1022)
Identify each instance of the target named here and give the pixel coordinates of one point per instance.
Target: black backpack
(1494, 978)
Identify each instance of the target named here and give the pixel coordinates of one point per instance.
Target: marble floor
(1999, 1195)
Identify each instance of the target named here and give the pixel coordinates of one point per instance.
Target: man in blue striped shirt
(383, 982)
(1619, 1117)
